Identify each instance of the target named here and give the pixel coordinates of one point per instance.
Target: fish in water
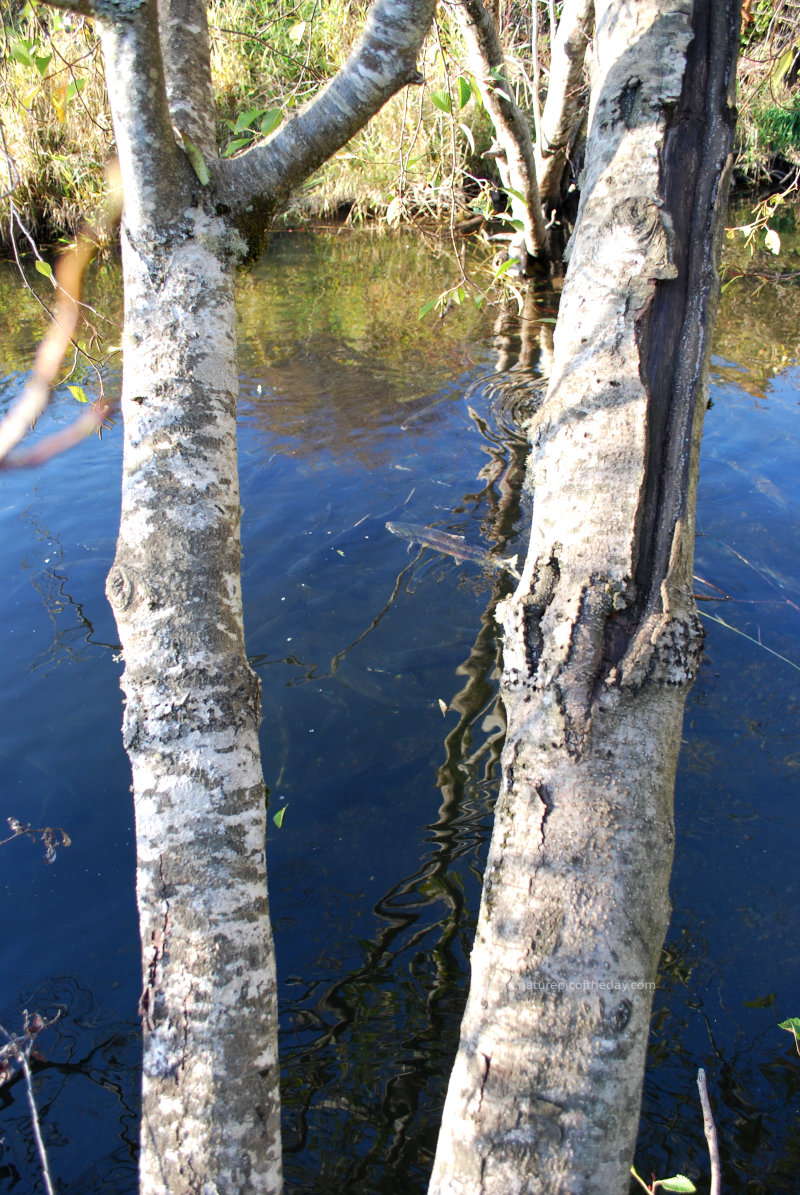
(452, 545)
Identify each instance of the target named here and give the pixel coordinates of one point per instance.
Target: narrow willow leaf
(246, 120)
(467, 131)
(426, 307)
(197, 160)
(441, 100)
(78, 393)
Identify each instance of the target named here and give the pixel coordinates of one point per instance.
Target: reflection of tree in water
(71, 626)
(365, 1075)
(750, 1096)
(78, 1049)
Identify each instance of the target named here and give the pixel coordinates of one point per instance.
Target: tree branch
(187, 65)
(564, 106)
(151, 164)
(515, 155)
(382, 63)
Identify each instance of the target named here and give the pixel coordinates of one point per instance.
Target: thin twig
(19, 1048)
(37, 1132)
(711, 1134)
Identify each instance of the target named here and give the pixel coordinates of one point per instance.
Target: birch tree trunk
(602, 637)
(564, 107)
(210, 1094)
(514, 151)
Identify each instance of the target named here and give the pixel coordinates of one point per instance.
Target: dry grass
(412, 161)
(55, 124)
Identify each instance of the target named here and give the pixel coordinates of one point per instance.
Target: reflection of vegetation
(24, 321)
(332, 343)
(758, 327)
(385, 1033)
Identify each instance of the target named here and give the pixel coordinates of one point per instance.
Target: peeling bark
(601, 638)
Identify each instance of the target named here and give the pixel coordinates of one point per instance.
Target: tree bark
(564, 107)
(601, 638)
(210, 1089)
(514, 153)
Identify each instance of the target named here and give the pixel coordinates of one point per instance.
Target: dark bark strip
(675, 330)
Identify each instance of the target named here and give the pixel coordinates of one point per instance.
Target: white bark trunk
(601, 637)
(515, 148)
(563, 110)
(210, 1093)
(210, 1072)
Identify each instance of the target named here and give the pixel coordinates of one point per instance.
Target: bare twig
(18, 1050)
(711, 1134)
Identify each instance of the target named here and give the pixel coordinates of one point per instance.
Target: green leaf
(272, 118)
(426, 307)
(784, 62)
(42, 63)
(679, 1183)
(45, 268)
(464, 91)
(278, 818)
(297, 32)
(792, 1025)
(20, 51)
(75, 88)
(197, 160)
(78, 393)
(441, 100)
(246, 120)
(239, 143)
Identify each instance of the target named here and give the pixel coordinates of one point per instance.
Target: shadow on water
(382, 729)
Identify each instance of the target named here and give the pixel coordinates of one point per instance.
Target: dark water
(353, 413)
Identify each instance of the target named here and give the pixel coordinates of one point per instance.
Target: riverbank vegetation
(425, 158)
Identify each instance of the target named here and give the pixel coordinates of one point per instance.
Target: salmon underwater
(452, 545)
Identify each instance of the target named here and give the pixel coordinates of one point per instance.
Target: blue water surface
(380, 740)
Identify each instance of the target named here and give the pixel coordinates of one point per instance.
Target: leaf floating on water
(278, 818)
(443, 706)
